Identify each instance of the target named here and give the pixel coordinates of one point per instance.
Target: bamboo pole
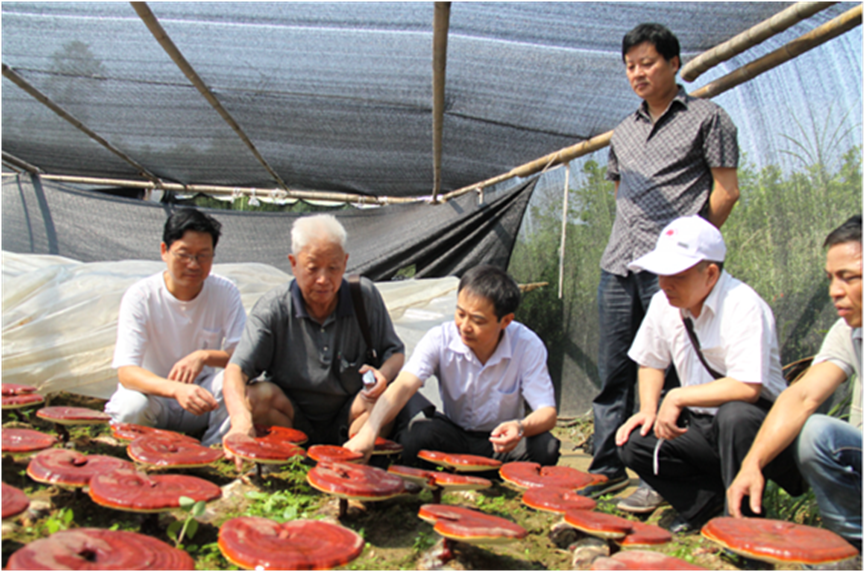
(224, 190)
(171, 49)
(441, 23)
(13, 76)
(20, 163)
(564, 231)
(820, 35)
(751, 37)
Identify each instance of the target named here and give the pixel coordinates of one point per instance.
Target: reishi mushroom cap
(262, 450)
(25, 440)
(71, 468)
(778, 541)
(161, 451)
(129, 490)
(352, 481)
(132, 431)
(459, 462)
(599, 524)
(333, 454)
(16, 389)
(14, 501)
(253, 542)
(524, 475)
(21, 400)
(470, 526)
(99, 549)
(65, 415)
(642, 560)
(556, 499)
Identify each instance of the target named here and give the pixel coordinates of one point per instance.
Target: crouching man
(828, 451)
(720, 336)
(174, 329)
(487, 365)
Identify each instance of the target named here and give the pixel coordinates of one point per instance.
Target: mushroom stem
(343, 508)
(437, 495)
(62, 433)
(258, 473)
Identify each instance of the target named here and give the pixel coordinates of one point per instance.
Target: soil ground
(395, 537)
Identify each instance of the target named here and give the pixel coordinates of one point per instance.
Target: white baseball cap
(682, 244)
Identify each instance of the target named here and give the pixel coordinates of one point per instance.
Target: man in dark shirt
(674, 156)
(305, 338)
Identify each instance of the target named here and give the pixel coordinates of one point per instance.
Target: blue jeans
(622, 303)
(829, 455)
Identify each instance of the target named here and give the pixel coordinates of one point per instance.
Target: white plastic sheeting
(60, 315)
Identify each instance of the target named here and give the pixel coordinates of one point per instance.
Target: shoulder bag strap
(689, 326)
(360, 314)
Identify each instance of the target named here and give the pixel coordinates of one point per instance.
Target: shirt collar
(501, 353)
(681, 97)
(344, 306)
(857, 334)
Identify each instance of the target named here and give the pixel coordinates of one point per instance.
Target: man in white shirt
(174, 329)
(729, 369)
(487, 365)
(828, 450)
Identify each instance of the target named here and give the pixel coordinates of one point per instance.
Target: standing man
(828, 451)
(674, 156)
(306, 340)
(173, 330)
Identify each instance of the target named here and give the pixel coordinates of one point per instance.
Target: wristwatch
(520, 425)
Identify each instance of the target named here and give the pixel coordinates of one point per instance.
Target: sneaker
(609, 486)
(642, 501)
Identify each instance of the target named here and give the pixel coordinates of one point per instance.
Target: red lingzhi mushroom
(269, 447)
(62, 416)
(351, 481)
(16, 389)
(25, 440)
(438, 481)
(470, 526)
(556, 499)
(129, 490)
(132, 431)
(641, 560)
(14, 501)
(161, 451)
(524, 475)
(333, 454)
(459, 462)
(98, 549)
(252, 542)
(599, 524)
(643, 534)
(16, 396)
(71, 468)
(778, 541)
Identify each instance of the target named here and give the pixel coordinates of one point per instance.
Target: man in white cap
(688, 444)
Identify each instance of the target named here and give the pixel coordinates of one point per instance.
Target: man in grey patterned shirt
(674, 156)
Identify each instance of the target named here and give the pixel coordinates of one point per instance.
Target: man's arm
(712, 394)
(386, 409)
(506, 436)
(190, 396)
(383, 375)
(650, 384)
(779, 429)
(725, 193)
(188, 368)
(239, 409)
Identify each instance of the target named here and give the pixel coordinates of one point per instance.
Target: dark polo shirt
(315, 365)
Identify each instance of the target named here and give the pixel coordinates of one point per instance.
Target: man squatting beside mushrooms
(302, 354)
(173, 330)
(487, 365)
(827, 450)
(689, 444)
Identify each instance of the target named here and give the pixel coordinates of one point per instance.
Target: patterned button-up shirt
(663, 169)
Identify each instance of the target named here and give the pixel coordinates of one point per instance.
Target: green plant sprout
(59, 521)
(189, 526)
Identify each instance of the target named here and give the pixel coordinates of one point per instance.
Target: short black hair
(659, 36)
(850, 231)
(185, 219)
(495, 285)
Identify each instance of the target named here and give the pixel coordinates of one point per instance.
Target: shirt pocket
(209, 339)
(507, 402)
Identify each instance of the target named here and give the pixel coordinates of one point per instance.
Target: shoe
(609, 486)
(681, 525)
(642, 501)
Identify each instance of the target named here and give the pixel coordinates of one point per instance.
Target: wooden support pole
(171, 49)
(564, 231)
(441, 23)
(751, 37)
(820, 35)
(31, 90)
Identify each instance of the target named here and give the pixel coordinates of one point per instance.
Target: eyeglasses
(188, 258)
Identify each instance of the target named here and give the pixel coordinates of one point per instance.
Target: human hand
(363, 442)
(237, 429)
(195, 398)
(668, 416)
(187, 369)
(506, 436)
(372, 393)
(748, 483)
(642, 420)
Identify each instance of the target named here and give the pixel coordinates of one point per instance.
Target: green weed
(58, 521)
(188, 526)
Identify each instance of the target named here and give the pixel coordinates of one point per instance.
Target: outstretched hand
(748, 483)
(505, 437)
(187, 369)
(238, 462)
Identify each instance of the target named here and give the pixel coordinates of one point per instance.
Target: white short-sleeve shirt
(736, 331)
(476, 396)
(843, 347)
(155, 330)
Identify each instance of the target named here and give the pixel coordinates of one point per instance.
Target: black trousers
(438, 433)
(695, 469)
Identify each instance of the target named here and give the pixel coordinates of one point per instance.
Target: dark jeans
(622, 303)
(694, 470)
(438, 433)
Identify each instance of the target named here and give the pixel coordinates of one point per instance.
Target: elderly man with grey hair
(302, 355)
